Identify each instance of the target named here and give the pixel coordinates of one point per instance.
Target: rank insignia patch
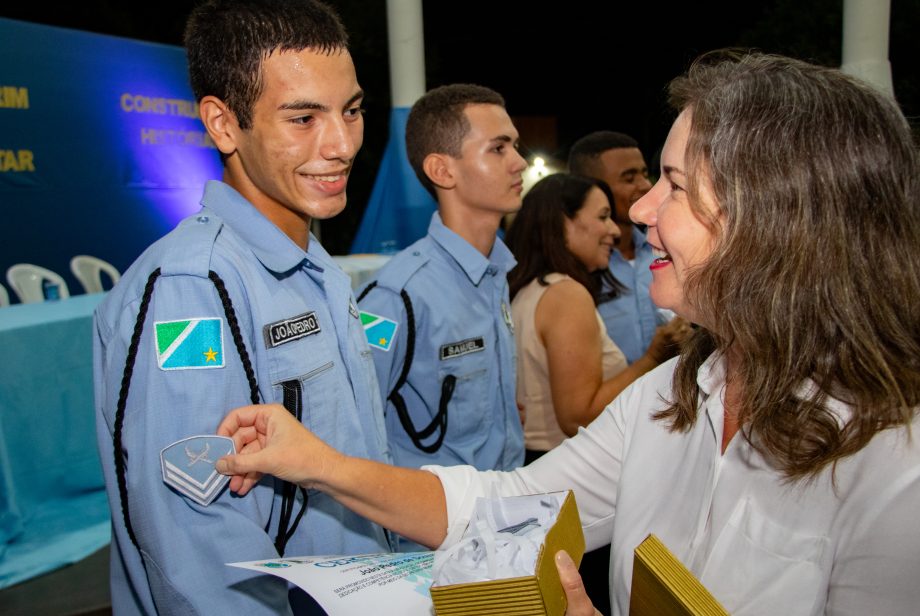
(188, 466)
(379, 330)
(192, 343)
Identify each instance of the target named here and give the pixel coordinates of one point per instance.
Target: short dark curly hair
(227, 41)
(437, 124)
(584, 153)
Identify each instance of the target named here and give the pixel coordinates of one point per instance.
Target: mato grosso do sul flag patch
(190, 344)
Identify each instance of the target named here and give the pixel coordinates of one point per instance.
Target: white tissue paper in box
(502, 540)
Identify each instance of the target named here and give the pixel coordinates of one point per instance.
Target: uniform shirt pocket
(319, 391)
(468, 407)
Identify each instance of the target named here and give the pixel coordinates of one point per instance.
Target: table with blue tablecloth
(361, 267)
(53, 508)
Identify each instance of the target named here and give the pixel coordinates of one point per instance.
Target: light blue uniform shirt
(631, 318)
(269, 280)
(462, 328)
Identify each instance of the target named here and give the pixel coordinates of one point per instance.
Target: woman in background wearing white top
(778, 457)
(568, 368)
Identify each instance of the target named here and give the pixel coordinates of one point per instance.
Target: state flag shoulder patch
(189, 344)
(380, 331)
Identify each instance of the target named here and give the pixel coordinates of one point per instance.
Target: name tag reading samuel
(279, 332)
(464, 347)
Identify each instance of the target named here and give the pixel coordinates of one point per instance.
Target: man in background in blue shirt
(615, 158)
(240, 304)
(448, 371)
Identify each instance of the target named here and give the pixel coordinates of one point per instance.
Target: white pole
(865, 42)
(399, 208)
(407, 51)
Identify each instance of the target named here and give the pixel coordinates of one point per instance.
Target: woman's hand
(667, 340)
(578, 603)
(271, 441)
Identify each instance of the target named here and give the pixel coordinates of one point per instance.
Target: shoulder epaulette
(395, 275)
(193, 240)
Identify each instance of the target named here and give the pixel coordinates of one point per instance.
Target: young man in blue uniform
(448, 373)
(631, 317)
(237, 304)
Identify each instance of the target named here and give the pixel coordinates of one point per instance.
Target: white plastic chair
(26, 281)
(89, 270)
(4, 297)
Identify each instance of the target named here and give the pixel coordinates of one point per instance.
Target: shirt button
(202, 219)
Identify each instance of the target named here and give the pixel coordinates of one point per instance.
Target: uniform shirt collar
(639, 244)
(470, 260)
(711, 380)
(271, 246)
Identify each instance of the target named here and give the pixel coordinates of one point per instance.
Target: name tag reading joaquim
(464, 347)
(288, 330)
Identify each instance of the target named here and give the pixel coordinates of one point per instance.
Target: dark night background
(578, 65)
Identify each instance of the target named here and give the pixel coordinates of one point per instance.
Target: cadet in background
(447, 374)
(629, 314)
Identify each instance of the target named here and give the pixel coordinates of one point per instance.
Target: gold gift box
(663, 586)
(540, 594)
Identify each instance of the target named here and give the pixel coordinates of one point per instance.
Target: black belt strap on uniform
(447, 387)
(234, 325)
(293, 402)
(288, 489)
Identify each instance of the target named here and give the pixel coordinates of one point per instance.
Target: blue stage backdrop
(400, 208)
(101, 148)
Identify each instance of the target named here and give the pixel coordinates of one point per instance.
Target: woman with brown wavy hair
(777, 457)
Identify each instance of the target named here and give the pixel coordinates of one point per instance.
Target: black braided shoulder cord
(123, 401)
(447, 387)
(410, 342)
(367, 290)
(237, 336)
(410, 335)
(120, 467)
(447, 391)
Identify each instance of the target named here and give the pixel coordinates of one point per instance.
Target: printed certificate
(383, 584)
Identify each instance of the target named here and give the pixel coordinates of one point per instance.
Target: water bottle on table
(51, 290)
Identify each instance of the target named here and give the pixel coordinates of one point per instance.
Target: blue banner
(101, 148)
(400, 208)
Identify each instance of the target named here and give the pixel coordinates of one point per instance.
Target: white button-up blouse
(845, 542)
